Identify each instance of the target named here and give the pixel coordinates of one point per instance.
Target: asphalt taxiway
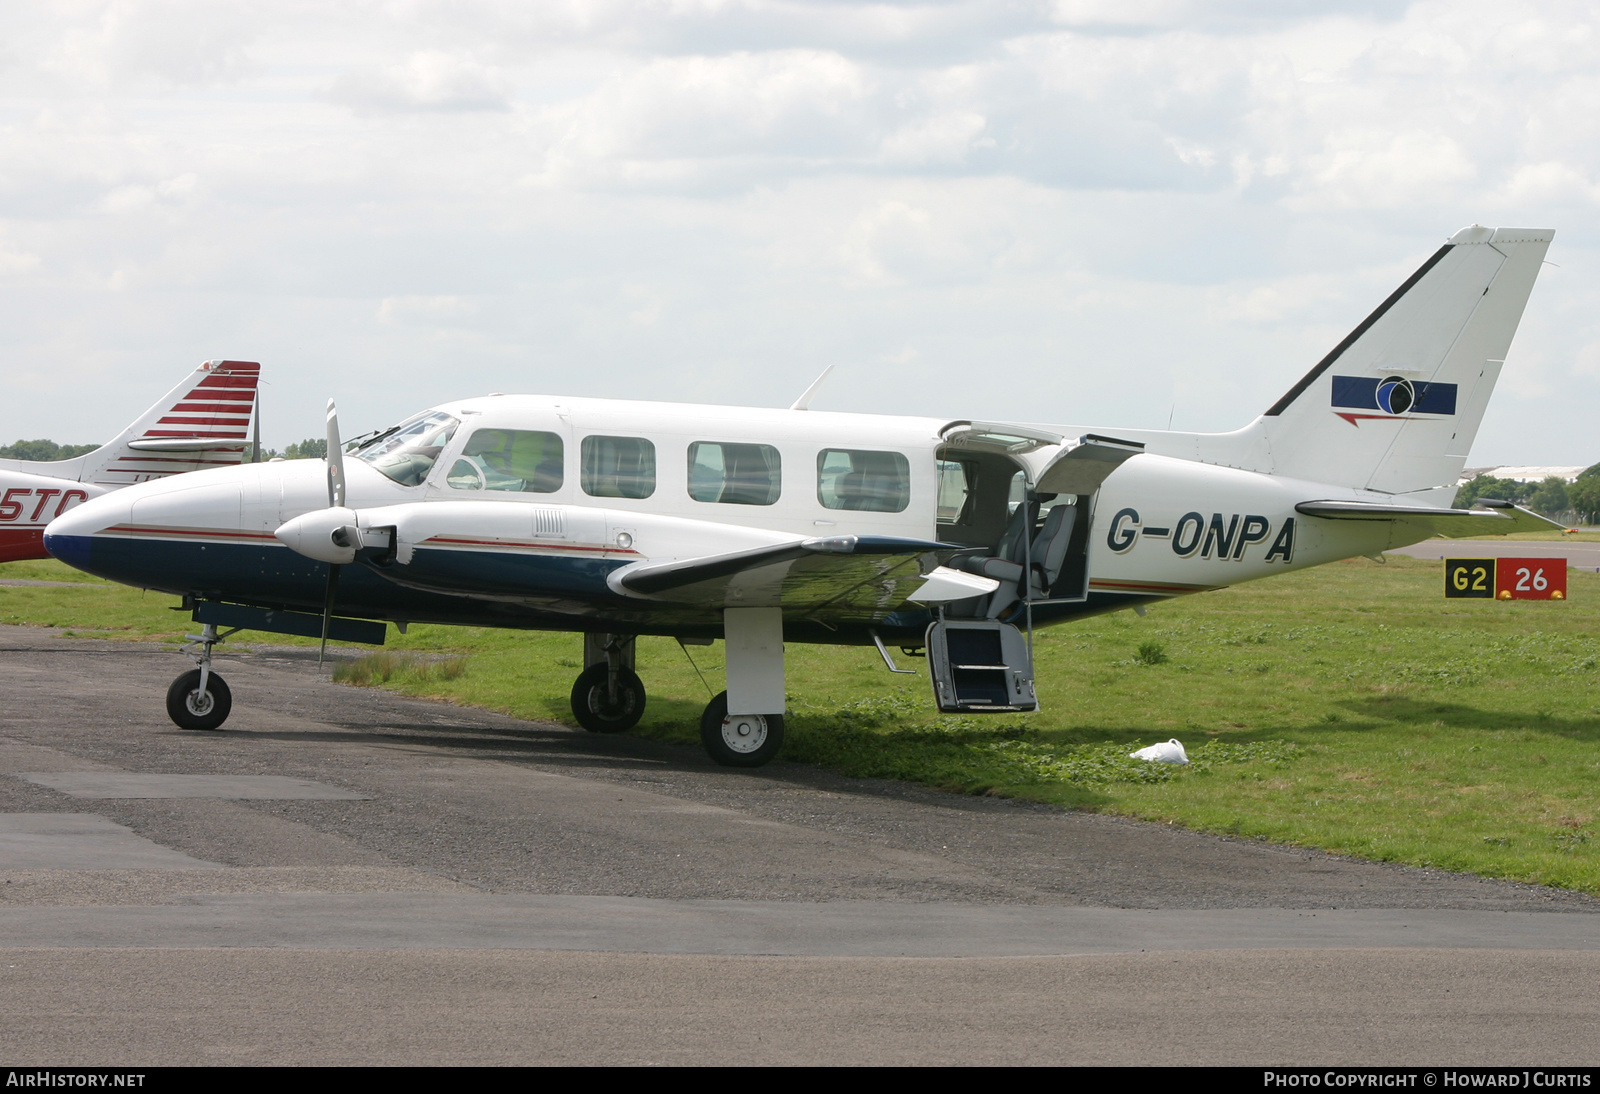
(347, 876)
(1579, 555)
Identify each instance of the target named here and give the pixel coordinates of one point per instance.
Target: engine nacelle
(327, 535)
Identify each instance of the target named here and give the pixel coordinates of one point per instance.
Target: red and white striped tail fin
(203, 422)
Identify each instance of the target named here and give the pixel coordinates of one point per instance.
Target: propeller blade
(327, 612)
(335, 460)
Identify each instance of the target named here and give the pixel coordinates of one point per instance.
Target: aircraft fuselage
(540, 559)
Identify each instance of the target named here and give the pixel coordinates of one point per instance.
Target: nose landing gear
(200, 699)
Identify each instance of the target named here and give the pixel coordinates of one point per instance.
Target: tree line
(43, 451)
(1553, 497)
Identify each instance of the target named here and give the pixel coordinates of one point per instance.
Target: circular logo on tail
(1396, 395)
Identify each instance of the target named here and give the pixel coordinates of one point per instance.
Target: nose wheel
(739, 740)
(200, 699)
(191, 706)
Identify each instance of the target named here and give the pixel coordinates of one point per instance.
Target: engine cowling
(328, 535)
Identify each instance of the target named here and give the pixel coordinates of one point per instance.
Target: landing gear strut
(200, 699)
(609, 696)
(754, 638)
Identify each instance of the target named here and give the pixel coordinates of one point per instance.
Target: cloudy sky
(1113, 212)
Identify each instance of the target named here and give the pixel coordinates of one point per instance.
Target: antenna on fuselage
(804, 402)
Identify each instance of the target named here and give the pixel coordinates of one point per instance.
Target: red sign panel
(1530, 579)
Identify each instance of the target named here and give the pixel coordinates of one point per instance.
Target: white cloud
(14, 263)
(141, 198)
(429, 79)
(1365, 169)
(938, 139)
(426, 309)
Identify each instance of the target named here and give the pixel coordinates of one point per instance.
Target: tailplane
(1395, 406)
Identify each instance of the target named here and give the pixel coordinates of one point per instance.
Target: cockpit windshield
(407, 452)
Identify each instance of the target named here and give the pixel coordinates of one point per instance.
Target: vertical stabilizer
(203, 422)
(1395, 406)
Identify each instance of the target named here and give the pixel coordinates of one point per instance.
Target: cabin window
(956, 479)
(509, 459)
(873, 482)
(734, 474)
(618, 467)
(408, 452)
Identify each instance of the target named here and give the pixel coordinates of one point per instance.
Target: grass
(399, 668)
(1349, 708)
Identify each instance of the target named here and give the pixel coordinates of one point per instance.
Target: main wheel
(739, 740)
(189, 709)
(593, 708)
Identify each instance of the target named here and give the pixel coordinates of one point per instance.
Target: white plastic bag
(1167, 752)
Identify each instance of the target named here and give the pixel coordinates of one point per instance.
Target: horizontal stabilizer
(1503, 519)
(187, 444)
(876, 574)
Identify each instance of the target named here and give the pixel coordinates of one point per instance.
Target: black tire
(744, 740)
(188, 709)
(592, 707)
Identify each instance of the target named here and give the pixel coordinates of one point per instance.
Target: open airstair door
(980, 666)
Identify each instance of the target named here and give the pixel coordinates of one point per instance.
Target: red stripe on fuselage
(180, 533)
(525, 545)
(1149, 587)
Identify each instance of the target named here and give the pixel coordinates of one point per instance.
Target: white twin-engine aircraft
(203, 422)
(762, 527)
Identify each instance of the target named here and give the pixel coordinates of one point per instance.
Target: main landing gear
(608, 696)
(739, 740)
(200, 699)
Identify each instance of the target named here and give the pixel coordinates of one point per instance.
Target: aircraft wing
(851, 574)
(1501, 519)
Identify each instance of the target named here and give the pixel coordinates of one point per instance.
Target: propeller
(335, 457)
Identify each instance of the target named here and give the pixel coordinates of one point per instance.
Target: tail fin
(203, 422)
(1396, 405)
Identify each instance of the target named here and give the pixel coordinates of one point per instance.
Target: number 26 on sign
(1505, 578)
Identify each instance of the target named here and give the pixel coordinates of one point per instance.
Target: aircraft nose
(68, 536)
